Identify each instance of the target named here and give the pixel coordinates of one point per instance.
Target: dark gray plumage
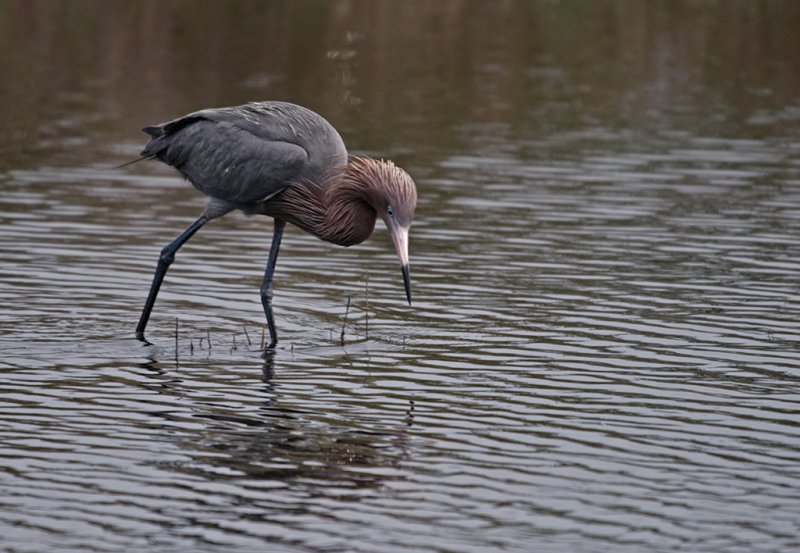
(247, 153)
(285, 161)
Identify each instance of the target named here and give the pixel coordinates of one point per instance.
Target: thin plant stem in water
(410, 413)
(344, 322)
(176, 341)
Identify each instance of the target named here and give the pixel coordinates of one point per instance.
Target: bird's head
(393, 195)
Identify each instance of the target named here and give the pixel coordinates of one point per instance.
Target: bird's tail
(131, 162)
(155, 132)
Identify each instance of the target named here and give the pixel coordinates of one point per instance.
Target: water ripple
(601, 351)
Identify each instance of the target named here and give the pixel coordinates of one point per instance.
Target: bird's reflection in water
(281, 437)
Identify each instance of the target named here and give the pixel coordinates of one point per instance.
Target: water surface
(602, 354)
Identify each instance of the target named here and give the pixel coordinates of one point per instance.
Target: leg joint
(167, 254)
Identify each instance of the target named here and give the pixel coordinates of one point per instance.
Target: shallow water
(602, 354)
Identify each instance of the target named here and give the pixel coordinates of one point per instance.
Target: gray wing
(247, 153)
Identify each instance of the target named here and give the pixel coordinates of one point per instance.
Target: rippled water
(602, 354)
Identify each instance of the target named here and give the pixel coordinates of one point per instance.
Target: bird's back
(248, 153)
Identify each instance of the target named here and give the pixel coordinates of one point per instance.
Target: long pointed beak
(400, 239)
(407, 282)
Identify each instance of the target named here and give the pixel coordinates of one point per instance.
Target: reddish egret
(285, 161)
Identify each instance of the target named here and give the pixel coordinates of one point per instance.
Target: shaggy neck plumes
(339, 209)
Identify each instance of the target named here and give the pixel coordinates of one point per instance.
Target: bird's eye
(390, 211)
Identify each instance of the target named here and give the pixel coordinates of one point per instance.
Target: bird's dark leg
(164, 261)
(266, 285)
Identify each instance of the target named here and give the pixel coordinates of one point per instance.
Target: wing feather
(247, 153)
(228, 163)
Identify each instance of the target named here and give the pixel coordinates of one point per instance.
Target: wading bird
(287, 162)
